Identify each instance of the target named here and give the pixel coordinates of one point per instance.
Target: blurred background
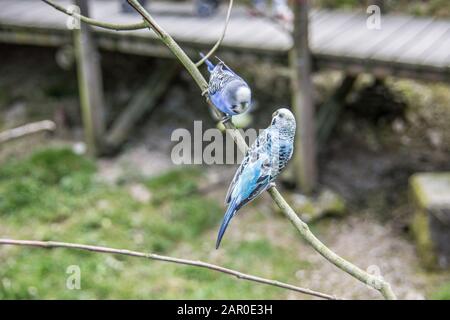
(86, 118)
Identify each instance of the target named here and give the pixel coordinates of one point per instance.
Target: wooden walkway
(405, 46)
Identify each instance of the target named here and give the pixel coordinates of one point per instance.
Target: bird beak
(274, 114)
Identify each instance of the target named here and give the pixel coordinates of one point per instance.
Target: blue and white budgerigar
(263, 162)
(227, 91)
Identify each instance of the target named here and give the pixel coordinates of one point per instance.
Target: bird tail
(208, 63)
(226, 220)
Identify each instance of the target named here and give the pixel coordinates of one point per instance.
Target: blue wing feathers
(226, 220)
(209, 64)
(262, 163)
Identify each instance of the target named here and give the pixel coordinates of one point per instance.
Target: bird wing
(220, 77)
(218, 101)
(256, 156)
(227, 67)
(285, 154)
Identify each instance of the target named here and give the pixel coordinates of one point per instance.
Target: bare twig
(30, 128)
(378, 284)
(97, 23)
(222, 36)
(152, 256)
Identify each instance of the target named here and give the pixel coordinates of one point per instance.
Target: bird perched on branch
(228, 92)
(263, 162)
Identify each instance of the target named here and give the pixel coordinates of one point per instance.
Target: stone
(140, 193)
(430, 193)
(325, 203)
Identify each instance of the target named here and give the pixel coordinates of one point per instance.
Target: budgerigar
(263, 162)
(228, 91)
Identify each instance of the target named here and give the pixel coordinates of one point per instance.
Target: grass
(54, 195)
(442, 293)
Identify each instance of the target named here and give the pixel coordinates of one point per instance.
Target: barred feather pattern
(220, 77)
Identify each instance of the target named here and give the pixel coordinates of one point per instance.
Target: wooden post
(302, 101)
(143, 101)
(330, 111)
(90, 83)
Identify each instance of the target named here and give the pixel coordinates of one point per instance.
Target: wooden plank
(11, 8)
(417, 48)
(345, 40)
(253, 34)
(103, 10)
(398, 43)
(355, 41)
(190, 28)
(15, 11)
(326, 29)
(374, 39)
(333, 34)
(36, 16)
(202, 30)
(265, 34)
(319, 15)
(440, 57)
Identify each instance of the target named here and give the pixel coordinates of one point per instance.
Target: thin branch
(152, 256)
(378, 284)
(30, 128)
(219, 42)
(339, 262)
(151, 23)
(97, 23)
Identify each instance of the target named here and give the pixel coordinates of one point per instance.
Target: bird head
(283, 119)
(241, 97)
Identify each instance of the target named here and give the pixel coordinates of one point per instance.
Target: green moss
(425, 247)
(49, 166)
(45, 184)
(421, 188)
(443, 293)
(174, 184)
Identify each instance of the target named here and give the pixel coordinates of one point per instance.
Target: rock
(326, 203)
(140, 193)
(430, 193)
(435, 137)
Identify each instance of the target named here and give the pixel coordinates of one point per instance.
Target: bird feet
(225, 119)
(205, 93)
(272, 185)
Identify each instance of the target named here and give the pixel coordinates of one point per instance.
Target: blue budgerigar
(263, 162)
(228, 91)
